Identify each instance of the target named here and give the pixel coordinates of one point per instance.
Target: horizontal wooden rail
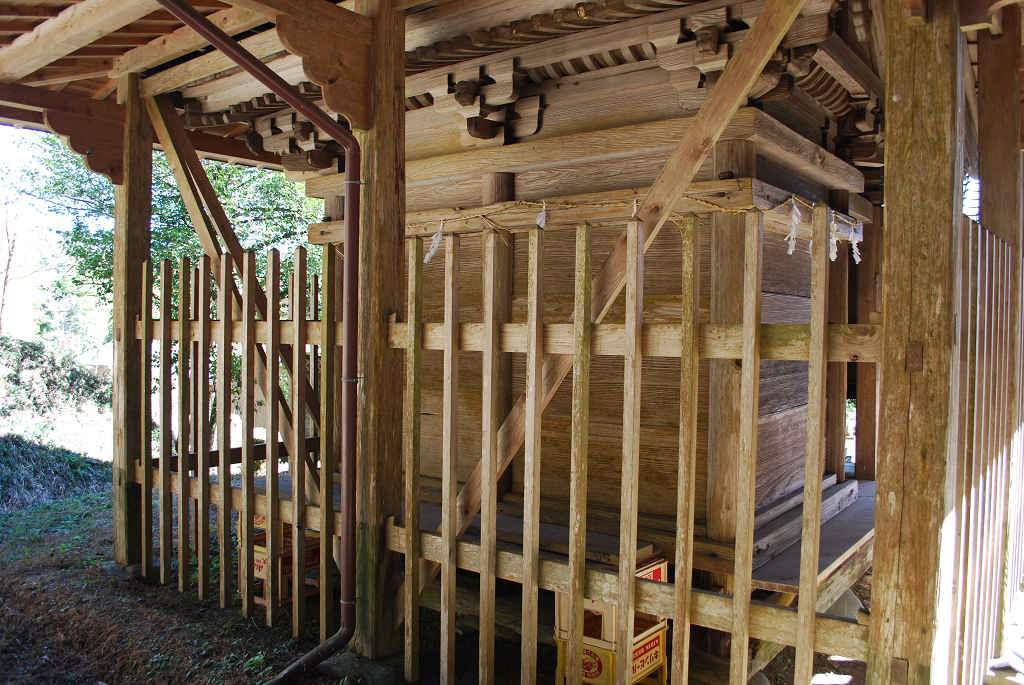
(847, 342)
(612, 209)
(237, 328)
(767, 622)
(235, 454)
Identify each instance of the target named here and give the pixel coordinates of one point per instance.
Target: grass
(33, 473)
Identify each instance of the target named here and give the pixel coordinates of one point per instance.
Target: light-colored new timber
(166, 504)
(633, 359)
(578, 451)
(73, 28)
(272, 420)
(489, 457)
(689, 334)
(411, 445)
(146, 439)
(747, 467)
(810, 536)
(184, 424)
(247, 392)
(202, 427)
(183, 41)
(449, 455)
(225, 353)
(532, 462)
(296, 448)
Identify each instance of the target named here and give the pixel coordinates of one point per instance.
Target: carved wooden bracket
(101, 146)
(485, 102)
(335, 56)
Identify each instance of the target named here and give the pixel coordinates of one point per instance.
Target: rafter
(74, 28)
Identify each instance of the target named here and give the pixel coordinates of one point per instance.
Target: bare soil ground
(64, 619)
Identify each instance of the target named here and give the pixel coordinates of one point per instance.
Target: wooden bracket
(101, 146)
(336, 60)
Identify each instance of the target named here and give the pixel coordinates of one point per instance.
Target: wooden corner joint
(102, 147)
(336, 57)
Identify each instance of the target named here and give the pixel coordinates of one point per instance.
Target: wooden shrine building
(654, 253)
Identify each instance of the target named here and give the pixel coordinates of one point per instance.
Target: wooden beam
(411, 421)
(923, 198)
(183, 41)
(381, 291)
(81, 70)
(100, 117)
(132, 208)
(774, 142)
(73, 28)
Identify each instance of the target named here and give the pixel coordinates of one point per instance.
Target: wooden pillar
(732, 159)
(836, 385)
(132, 207)
(999, 163)
(501, 187)
(381, 295)
(868, 310)
(915, 531)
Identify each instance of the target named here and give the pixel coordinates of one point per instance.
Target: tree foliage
(266, 210)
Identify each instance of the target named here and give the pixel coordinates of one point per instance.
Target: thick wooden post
(381, 295)
(132, 208)
(916, 443)
(732, 159)
(999, 163)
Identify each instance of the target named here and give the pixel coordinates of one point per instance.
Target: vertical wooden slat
(449, 457)
(314, 315)
(630, 448)
(980, 419)
(747, 466)
(532, 460)
(224, 351)
(965, 345)
(184, 424)
(411, 443)
(689, 363)
(817, 373)
(489, 458)
(581, 328)
(297, 449)
(146, 424)
(328, 447)
(272, 586)
(166, 513)
(203, 431)
(246, 527)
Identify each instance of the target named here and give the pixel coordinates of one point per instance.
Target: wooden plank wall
(782, 406)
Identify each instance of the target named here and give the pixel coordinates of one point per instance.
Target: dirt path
(64, 619)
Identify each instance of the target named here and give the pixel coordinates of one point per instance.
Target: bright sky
(38, 261)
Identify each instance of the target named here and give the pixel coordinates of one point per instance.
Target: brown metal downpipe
(347, 532)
